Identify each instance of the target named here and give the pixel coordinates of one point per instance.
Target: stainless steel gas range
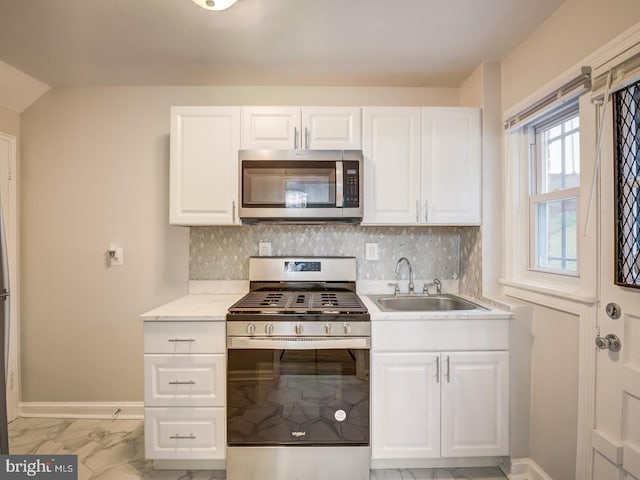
(298, 373)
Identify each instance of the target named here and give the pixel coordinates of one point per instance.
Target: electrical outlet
(371, 251)
(264, 249)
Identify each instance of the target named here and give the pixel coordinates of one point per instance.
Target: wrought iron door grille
(627, 185)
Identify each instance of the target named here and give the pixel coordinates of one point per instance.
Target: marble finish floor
(114, 450)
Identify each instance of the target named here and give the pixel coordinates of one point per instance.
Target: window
(554, 187)
(627, 185)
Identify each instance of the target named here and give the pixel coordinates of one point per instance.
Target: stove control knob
(251, 329)
(346, 328)
(268, 328)
(299, 329)
(328, 328)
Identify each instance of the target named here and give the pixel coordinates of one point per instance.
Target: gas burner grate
(342, 301)
(263, 301)
(300, 302)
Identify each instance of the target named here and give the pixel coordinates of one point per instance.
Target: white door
(391, 149)
(204, 165)
(8, 202)
(331, 128)
(275, 128)
(616, 436)
(405, 406)
(475, 404)
(451, 165)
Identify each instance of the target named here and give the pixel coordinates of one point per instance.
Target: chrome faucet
(398, 263)
(436, 283)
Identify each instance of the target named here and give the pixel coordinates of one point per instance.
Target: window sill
(555, 291)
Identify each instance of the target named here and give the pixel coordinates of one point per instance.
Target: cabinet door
(276, 128)
(405, 406)
(451, 165)
(204, 165)
(391, 148)
(475, 404)
(331, 128)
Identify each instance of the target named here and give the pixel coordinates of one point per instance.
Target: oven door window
(288, 184)
(298, 397)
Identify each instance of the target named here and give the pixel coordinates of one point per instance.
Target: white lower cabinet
(432, 405)
(185, 433)
(405, 406)
(185, 390)
(475, 404)
(438, 404)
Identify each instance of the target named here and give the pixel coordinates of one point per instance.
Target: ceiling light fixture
(214, 4)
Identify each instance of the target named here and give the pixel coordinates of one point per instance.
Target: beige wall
(574, 31)
(95, 171)
(9, 122)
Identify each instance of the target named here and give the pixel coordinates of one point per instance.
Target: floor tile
(114, 450)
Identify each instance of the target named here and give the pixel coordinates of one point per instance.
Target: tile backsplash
(222, 253)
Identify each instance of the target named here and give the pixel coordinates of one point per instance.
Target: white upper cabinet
(204, 165)
(391, 150)
(451, 166)
(422, 166)
(331, 128)
(306, 128)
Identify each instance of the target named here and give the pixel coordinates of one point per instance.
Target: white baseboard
(527, 469)
(99, 410)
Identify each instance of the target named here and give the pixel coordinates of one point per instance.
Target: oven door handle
(297, 343)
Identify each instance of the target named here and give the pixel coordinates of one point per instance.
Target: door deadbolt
(613, 310)
(611, 342)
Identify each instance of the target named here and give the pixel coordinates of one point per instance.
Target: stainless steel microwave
(300, 186)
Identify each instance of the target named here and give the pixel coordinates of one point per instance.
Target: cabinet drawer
(184, 337)
(184, 433)
(185, 380)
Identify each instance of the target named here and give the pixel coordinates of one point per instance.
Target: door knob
(611, 342)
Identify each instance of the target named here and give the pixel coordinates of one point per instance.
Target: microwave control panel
(351, 193)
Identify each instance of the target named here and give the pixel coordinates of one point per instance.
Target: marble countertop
(213, 307)
(194, 307)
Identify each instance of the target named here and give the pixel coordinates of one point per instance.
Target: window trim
(535, 199)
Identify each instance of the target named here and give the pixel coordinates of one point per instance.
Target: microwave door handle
(339, 184)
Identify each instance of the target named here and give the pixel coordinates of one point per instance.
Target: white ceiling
(262, 42)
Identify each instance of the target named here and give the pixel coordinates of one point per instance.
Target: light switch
(116, 255)
(371, 251)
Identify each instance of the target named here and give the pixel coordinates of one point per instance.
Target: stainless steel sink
(419, 303)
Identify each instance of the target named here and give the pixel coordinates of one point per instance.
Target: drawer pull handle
(182, 339)
(178, 382)
(183, 437)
